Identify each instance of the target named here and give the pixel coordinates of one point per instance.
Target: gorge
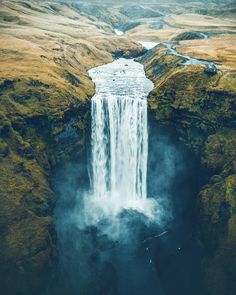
(125, 223)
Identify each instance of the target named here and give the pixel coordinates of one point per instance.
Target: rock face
(134, 11)
(189, 36)
(211, 69)
(44, 94)
(203, 107)
(102, 12)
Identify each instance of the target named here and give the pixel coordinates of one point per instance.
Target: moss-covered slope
(46, 49)
(202, 106)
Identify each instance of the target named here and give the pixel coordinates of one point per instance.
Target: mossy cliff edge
(46, 49)
(202, 106)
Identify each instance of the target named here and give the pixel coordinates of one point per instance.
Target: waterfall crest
(119, 139)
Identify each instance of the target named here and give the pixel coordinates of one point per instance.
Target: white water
(118, 32)
(119, 137)
(148, 44)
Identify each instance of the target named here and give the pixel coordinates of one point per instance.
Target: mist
(98, 257)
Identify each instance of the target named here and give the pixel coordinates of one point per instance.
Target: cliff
(202, 106)
(46, 49)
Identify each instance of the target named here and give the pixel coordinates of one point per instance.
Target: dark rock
(139, 11)
(19, 167)
(19, 125)
(129, 54)
(189, 36)
(129, 26)
(73, 79)
(211, 69)
(99, 11)
(26, 150)
(6, 84)
(37, 83)
(5, 127)
(216, 178)
(4, 150)
(118, 53)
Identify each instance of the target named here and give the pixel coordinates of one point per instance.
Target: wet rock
(211, 69)
(118, 53)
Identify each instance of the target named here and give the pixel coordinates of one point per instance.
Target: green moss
(4, 150)
(219, 148)
(188, 94)
(32, 115)
(219, 235)
(203, 109)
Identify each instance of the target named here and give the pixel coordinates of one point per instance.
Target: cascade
(119, 137)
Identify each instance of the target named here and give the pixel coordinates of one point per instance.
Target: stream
(212, 68)
(189, 60)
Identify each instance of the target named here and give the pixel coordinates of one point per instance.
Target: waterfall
(119, 136)
(119, 147)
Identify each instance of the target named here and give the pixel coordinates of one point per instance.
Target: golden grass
(46, 49)
(42, 45)
(200, 22)
(220, 49)
(176, 24)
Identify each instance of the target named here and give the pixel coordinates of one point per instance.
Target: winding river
(170, 46)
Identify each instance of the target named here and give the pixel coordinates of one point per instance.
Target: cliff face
(202, 106)
(46, 49)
